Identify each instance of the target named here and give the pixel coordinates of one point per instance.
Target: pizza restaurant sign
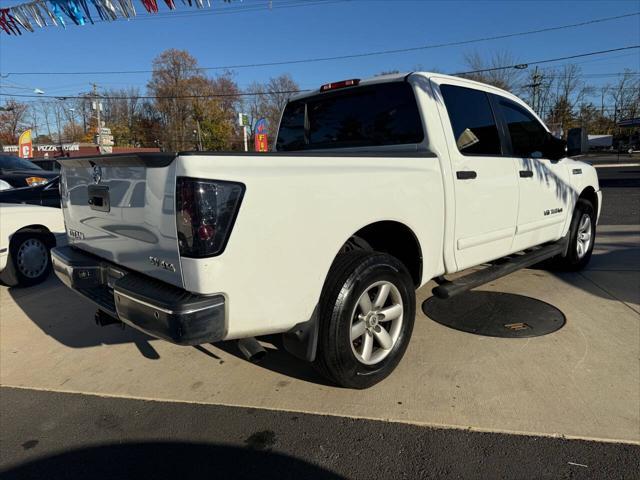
(67, 147)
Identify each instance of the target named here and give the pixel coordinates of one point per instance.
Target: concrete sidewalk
(581, 381)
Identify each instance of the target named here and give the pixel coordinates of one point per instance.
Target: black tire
(350, 276)
(24, 276)
(572, 260)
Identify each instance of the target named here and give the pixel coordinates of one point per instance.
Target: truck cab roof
(398, 77)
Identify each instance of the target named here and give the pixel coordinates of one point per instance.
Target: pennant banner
(42, 13)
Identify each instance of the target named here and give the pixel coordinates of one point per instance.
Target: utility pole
(57, 111)
(45, 111)
(97, 104)
(35, 124)
(535, 90)
(199, 133)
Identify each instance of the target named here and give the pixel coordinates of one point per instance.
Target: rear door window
(474, 125)
(526, 132)
(368, 116)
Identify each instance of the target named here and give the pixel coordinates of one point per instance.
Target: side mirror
(577, 142)
(555, 148)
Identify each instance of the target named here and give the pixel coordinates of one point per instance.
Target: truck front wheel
(582, 235)
(367, 311)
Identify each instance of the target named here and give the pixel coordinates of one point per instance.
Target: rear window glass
(376, 115)
(474, 126)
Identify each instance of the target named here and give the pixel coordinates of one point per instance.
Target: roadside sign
(243, 120)
(25, 147)
(261, 143)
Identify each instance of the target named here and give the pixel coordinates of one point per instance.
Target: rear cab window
(365, 116)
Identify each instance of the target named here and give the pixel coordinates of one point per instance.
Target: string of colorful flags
(43, 13)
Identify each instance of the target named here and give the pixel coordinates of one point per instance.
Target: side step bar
(449, 288)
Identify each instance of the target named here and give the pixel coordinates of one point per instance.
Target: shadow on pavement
(68, 318)
(169, 460)
(618, 259)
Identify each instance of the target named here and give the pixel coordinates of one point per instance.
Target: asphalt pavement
(49, 435)
(56, 435)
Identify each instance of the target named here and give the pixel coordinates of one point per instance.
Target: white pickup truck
(375, 188)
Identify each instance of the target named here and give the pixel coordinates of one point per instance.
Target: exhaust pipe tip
(251, 349)
(103, 319)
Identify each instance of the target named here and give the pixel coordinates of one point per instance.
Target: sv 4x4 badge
(162, 264)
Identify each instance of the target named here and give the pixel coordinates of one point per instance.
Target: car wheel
(367, 312)
(582, 235)
(30, 258)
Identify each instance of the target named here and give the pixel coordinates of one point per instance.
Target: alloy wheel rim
(585, 234)
(32, 258)
(376, 322)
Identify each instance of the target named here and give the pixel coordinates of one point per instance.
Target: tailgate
(122, 208)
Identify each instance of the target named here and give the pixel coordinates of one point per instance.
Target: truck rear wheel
(582, 235)
(367, 311)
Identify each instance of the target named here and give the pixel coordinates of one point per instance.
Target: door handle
(526, 173)
(466, 175)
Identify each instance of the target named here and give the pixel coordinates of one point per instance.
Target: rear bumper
(149, 305)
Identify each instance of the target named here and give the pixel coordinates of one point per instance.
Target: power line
(356, 55)
(239, 94)
(246, 94)
(538, 62)
(64, 96)
(167, 97)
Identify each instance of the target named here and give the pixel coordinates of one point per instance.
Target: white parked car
(376, 188)
(27, 234)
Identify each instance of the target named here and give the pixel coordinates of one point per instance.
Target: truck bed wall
(296, 214)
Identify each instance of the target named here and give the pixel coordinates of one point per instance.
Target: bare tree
(13, 120)
(269, 99)
(626, 96)
(489, 70)
(568, 93)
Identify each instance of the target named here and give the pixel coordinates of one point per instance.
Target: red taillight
(205, 212)
(206, 232)
(343, 84)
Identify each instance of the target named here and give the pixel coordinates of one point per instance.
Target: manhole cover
(495, 314)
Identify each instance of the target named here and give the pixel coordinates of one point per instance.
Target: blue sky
(335, 28)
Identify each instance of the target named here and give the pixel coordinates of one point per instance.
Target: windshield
(17, 163)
